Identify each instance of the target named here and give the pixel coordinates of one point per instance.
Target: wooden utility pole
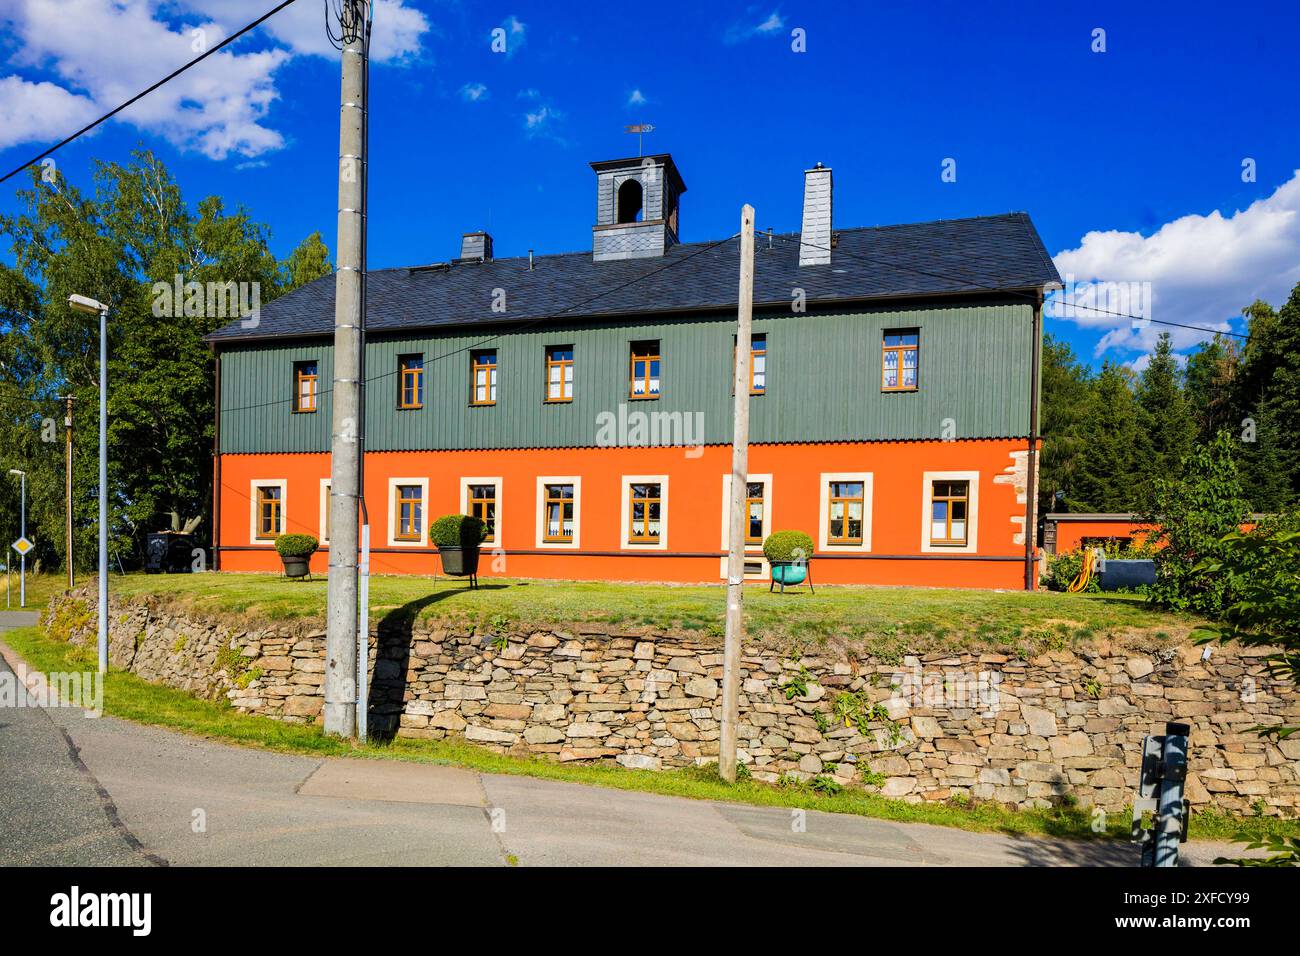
(340, 710)
(736, 516)
(67, 428)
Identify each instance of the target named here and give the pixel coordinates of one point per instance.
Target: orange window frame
(485, 362)
(645, 354)
(951, 499)
(305, 403)
(845, 500)
(562, 365)
(410, 381)
(409, 529)
(900, 353)
(479, 503)
(270, 512)
(558, 499)
(646, 499)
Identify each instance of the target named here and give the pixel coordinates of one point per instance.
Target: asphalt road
(109, 792)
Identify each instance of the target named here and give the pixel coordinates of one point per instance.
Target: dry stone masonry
(1066, 724)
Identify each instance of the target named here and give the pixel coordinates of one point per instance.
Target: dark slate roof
(988, 253)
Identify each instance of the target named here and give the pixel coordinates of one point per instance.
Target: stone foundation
(1022, 732)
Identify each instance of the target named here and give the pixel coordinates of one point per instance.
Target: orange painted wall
(694, 509)
(1070, 534)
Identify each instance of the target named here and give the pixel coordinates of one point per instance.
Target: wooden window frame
(845, 541)
(754, 353)
(949, 541)
(762, 521)
(472, 499)
(415, 534)
(561, 364)
(900, 351)
(475, 364)
(658, 499)
(298, 379)
(277, 511)
(405, 372)
(547, 501)
(843, 545)
(647, 358)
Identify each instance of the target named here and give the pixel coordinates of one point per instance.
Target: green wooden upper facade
(823, 381)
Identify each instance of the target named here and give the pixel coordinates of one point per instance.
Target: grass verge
(132, 698)
(881, 621)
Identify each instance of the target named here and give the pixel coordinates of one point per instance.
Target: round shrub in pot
(295, 551)
(788, 554)
(457, 538)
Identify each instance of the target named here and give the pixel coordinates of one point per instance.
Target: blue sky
(1128, 160)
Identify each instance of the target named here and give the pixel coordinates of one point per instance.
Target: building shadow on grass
(392, 656)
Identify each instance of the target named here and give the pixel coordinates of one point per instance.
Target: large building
(582, 403)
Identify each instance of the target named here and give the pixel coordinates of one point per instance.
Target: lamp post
(81, 303)
(22, 534)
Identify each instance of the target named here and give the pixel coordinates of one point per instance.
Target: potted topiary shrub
(788, 554)
(457, 538)
(296, 551)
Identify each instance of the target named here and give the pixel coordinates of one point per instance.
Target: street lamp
(81, 303)
(22, 536)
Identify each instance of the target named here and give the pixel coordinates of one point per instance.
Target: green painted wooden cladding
(823, 383)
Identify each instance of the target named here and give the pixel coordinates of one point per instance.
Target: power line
(991, 288)
(143, 93)
(512, 329)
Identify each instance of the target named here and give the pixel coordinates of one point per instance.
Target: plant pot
(788, 572)
(459, 562)
(295, 566)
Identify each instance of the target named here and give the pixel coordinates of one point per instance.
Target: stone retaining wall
(1023, 732)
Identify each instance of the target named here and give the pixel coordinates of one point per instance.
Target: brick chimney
(815, 236)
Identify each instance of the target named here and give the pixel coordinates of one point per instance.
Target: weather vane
(640, 129)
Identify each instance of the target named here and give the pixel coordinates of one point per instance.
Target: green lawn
(40, 588)
(129, 697)
(885, 621)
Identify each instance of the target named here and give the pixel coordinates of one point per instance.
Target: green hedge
(296, 545)
(788, 546)
(458, 531)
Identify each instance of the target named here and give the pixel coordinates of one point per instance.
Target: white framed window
(950, 516)
(844, 512)
(267, 507)
(758, 524)
(481, 497)
(559, 504)
(324, 511)
(408, 502)
(643, 521)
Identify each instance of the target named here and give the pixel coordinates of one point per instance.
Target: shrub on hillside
(1193, 513)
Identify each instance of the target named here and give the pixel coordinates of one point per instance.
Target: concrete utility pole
(80, 303)
(739, 487)
(349, 341)
(67, 427)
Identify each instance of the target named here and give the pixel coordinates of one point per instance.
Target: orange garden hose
(1085, 573)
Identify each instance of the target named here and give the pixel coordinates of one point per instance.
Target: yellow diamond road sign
(22, 546)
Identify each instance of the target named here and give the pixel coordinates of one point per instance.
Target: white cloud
(636, 98)
(746, 28)
(36, 112)
(540, 121)
(218, 108)
(473, 92)
(1202, 269)
(396, 37)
